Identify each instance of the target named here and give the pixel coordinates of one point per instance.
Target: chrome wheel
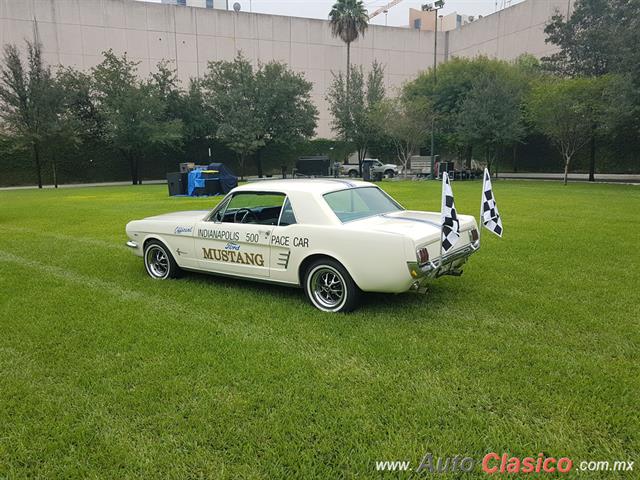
(328, 288)
(157, 262)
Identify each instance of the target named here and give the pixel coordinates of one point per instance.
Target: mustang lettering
(233, 257)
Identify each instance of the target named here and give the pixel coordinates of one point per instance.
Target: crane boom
(382, 9)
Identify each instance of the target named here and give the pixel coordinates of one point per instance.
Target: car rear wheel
(353, 173)
(330, 287)
(159, 262)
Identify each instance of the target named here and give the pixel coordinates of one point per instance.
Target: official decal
(230, 256)
(180, 230)
(219, 235)
(232, 246)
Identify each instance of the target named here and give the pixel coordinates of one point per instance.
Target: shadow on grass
(244, 285)
(409, 303)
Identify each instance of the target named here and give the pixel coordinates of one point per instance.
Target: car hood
(419, 226)
(190, 216)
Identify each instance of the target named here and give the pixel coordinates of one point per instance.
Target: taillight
(474, 235)
(422, 254)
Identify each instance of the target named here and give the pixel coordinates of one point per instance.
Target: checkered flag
(489, 215)
(450, 223)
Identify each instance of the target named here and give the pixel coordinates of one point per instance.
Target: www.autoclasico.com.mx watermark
(494, 463)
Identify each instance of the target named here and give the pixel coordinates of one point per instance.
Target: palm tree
(349, 20)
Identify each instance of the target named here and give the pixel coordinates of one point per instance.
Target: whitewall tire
(159, 262)
(330, 288)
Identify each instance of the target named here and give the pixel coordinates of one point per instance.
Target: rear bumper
(447, 265)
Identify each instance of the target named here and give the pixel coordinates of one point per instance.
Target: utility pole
(428, 7)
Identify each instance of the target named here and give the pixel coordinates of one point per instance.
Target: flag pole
(441, 220)
(481, 206)
(441, 232)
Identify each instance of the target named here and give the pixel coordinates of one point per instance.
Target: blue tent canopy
(228, 179)
(195, 180)
(224, 177)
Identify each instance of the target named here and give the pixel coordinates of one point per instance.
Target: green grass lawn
(105, 373)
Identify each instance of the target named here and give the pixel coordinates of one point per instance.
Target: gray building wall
(76, 32)
(508, 33)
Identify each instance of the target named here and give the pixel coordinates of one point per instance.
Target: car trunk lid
(421, 227)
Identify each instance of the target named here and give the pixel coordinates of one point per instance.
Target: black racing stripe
(343, 182)
(429, 222)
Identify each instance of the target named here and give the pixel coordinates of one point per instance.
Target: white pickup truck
(387, 169)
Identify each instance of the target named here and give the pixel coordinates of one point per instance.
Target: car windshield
(355, 203)
(253, 207)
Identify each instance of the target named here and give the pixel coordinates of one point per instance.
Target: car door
(235, 239)
(285, 241)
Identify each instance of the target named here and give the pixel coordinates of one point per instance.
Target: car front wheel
(390, 174)
(353, 173)
(159, 262)
(330, 287)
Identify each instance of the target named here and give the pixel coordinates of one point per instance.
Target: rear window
(355, 203)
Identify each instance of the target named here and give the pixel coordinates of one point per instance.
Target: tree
(348, 20)
(285, 107)
(566, 110)
(28, 100)
(134, 115)
(408, 124)
(354, 111)
(586, 39)
(457, 98)
(600, 37)
(230, 93)
(199, 124)
(78, 122)
(253, 109)
(490, 116)
(64, 132)
(78, 105)
(165, 86)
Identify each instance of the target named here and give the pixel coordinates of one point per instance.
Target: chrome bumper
(132, 244)
(447, 265)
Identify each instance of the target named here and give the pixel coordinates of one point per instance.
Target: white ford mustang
(335, 238)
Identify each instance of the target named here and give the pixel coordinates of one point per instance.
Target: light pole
(434, 7)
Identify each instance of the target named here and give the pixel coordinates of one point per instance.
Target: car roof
(318, 186)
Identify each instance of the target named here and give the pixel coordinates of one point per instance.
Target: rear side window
(354, 203)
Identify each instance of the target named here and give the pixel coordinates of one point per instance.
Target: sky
(397, 16)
